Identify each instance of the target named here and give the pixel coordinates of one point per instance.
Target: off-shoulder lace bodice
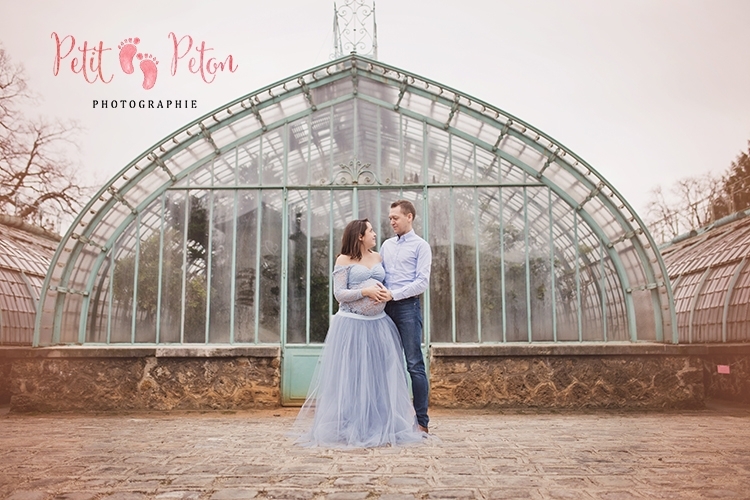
(348, 282)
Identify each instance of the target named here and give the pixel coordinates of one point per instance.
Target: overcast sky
(647, 91)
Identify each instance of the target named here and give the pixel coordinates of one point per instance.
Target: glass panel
(124, 286)
(540, 264)
(489, 264)
(321, 152)
(514, 265)
(270, 268)
(248, 163)
(194, 276)
(321, 261)
(464, 262)
(300, 150)
(566, 306)
(441, 300)
(96, 327)
(172, 254)
(222, 249)
(247, 260)
(272, 153)
(148, 275)
(297, 284)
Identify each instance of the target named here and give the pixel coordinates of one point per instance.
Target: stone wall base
(81, 379)
(638, 376)
(612, 375)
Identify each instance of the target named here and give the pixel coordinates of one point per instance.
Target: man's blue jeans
(407, 314)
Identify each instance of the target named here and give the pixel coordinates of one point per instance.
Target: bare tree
(37, 176)
(689, 205)
(661, 216)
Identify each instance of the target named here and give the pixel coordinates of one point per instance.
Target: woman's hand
(378, 293)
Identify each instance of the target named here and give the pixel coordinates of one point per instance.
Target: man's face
(400, 222)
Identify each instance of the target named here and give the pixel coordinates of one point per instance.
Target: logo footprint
(148, 66)
(127, 51)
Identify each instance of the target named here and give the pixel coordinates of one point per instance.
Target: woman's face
(369, 239)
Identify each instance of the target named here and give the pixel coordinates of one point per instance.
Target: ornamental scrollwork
(354, 173)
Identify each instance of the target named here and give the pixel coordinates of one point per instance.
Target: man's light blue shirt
(407, 260)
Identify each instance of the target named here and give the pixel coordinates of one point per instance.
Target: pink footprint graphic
(127, 51)
(148, 66)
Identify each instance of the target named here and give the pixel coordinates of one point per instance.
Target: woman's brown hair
(350, 245)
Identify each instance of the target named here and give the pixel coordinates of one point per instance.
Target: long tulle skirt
(359, 395)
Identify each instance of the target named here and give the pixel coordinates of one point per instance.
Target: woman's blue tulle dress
(359, 395)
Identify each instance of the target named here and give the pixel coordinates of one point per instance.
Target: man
(407, 259)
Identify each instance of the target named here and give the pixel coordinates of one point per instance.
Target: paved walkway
(237, 455)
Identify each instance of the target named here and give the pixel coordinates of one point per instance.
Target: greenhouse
(226, 231)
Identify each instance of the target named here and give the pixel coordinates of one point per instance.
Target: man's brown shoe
(423, 429)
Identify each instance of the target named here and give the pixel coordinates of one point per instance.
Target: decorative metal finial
(351, 34)
(355, 174)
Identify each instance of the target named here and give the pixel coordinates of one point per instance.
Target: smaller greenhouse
(711, 281)
(25, 255)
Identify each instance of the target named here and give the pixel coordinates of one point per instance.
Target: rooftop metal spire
(351, 33)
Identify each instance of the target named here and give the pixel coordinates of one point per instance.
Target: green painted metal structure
(226, 231)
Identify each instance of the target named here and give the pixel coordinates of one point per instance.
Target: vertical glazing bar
(604, 289)
(309, 149)
(331, 252)
(425, 151)
(452, 266)
(378, 215)
(258, 249)
(260, 159)
(308, 269)
(450, 158)
(426, 314)
(330, 142)
(111, 291)
(233, 276)
(502, 263)
(285, 238)
(284, 261)
(135, 276)
(527, 261)
(355, 128)
(184, 266)
(209, 259)
(474, 154)
(578, 275)
(401, 159)
(477, 264)
(355, 203)
(160, 274)
(553, 297)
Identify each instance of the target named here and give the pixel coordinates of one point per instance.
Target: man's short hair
(407, 207)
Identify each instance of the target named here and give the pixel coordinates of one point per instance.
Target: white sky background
(647, 91)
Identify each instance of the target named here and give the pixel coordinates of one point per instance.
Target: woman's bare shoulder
(344, 260)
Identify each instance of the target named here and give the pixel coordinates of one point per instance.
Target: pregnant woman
(359, 396)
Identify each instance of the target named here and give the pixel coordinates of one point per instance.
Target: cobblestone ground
(480, 454)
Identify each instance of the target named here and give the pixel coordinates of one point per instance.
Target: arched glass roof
(355, 124)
